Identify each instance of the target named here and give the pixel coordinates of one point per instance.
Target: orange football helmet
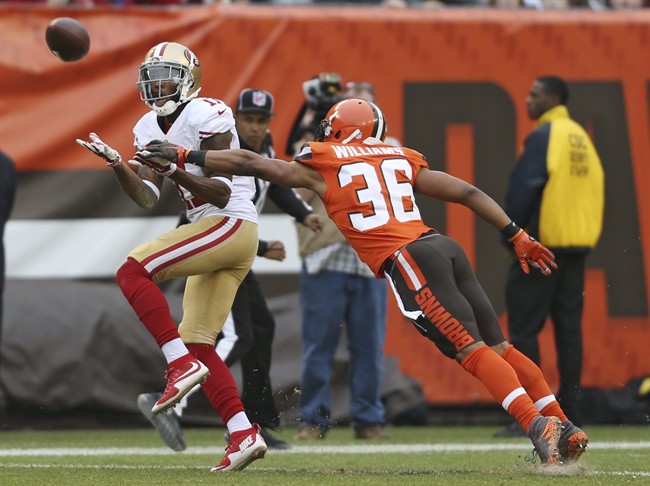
(352, 120)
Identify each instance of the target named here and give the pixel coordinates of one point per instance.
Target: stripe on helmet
(352, 136)
(379, 130)
(159, 50)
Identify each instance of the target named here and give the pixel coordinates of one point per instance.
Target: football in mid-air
(67, 38)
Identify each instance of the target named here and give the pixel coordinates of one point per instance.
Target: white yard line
(132, 467)
(321, 449)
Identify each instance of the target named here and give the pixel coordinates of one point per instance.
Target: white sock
(174, 349)
(238, 423)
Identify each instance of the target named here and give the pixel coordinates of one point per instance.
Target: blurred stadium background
(452, 83)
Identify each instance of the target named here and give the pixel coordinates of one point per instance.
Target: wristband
(153, 187)
(511, 231)
(196, 157)
(262, 247)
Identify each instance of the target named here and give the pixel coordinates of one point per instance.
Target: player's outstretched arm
(440, 185)
(235, 161)
(144, 194)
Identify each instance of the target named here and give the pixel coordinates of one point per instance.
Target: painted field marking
(324, 449)
(277, 470)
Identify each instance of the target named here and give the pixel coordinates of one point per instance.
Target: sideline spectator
(557, 192)
(402, 396)
(337, 290)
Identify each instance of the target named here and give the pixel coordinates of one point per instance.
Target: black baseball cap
(255, 100)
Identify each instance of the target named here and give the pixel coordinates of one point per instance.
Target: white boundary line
(134, 467)
(324, 449)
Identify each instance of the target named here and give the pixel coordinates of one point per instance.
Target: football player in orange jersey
(368, 189)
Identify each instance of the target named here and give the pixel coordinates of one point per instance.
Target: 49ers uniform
(389, 235)
(202, 118)
(218, 238)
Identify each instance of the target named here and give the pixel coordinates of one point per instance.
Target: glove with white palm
(99, 148)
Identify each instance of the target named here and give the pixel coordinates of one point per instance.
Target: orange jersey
(369, 195)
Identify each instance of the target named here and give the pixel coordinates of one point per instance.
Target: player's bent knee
(501, 348)
(460, 356)
(130, 268)
(194, 333)
(128, 272)
(449, 346)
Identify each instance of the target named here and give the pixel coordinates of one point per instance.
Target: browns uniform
(370, 197)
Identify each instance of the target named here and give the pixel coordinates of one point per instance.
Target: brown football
(67, 38)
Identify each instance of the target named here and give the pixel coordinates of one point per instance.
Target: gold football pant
(215, 254)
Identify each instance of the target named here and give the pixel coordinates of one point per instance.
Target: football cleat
(182, 374)
(272, 442)
(167, 424)
(573, 442)
(244, 447)
(545, 432)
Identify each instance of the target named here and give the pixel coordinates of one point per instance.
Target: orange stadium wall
(452, 83)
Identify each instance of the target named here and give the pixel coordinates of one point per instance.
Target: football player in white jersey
(214, 252)
(247, 335)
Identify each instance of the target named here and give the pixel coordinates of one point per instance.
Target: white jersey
(202, 118)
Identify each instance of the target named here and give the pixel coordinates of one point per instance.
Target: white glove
(99, 148)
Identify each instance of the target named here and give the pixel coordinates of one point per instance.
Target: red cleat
(182, 374)
(244, 447)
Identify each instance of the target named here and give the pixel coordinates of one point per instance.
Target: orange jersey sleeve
(370, 195)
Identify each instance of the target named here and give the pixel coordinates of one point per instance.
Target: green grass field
(413, 456)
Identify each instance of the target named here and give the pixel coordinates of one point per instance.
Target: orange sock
(533, 381)
(502, 383)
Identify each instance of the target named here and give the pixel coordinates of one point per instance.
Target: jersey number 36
(387, 195)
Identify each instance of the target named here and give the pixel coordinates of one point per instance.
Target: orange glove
(532, 252)
(157, 149)
(162, 157)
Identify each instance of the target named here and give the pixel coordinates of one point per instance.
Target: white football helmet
(169, 62)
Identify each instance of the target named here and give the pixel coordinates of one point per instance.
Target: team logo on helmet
(189, 55)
